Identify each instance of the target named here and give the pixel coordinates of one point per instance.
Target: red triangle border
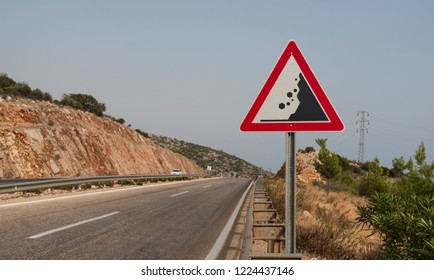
(335, 123)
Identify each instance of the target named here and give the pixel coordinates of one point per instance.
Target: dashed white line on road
(176, 194)
(72, 225)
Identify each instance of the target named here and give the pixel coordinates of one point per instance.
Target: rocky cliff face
(41, 139)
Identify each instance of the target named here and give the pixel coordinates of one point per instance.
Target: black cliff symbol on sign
(309, 109)
(301, 104)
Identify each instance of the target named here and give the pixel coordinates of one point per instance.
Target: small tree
(373, 180)
(19, 89)
(398, 167)
(419, 177)
(328, 162)
(84, 102)
(40, 95)
(120, 120)
(5, 81)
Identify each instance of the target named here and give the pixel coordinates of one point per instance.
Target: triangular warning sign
(292, 99)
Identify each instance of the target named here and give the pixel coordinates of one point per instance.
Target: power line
(343, 137)
(363, 119)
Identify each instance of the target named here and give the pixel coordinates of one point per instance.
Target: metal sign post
(290, 193)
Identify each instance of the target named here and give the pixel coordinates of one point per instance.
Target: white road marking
(219, 184)
(176, 194)
(71, 225)
(88, 194)
(221, 240)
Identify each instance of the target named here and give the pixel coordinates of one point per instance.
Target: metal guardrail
(56, 183)
(267, 227)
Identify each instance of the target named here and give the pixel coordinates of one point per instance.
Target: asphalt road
(179, 220)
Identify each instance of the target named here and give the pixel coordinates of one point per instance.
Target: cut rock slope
(42, 139)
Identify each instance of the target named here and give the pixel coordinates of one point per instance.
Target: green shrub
(418, 178)
(405, 224)
(12, 88)
(120, 120)
(144, 134)
(373, 180)
(5, 81)
(84, 102)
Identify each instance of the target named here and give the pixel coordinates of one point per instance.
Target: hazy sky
(192, 69)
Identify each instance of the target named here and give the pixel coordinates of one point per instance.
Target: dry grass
(326, 227)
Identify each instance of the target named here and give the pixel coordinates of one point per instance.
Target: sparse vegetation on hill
(79, 101)
(8, 87)
(219, 161)
(364, 211)
(326, 223)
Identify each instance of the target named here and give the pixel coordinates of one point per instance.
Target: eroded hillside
(42, 139)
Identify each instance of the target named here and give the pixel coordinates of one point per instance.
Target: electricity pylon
(363, 119)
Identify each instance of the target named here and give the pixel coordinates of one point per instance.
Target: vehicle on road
(176, 172)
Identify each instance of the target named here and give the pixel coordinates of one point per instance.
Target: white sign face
(209, 168)
(282, 101)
